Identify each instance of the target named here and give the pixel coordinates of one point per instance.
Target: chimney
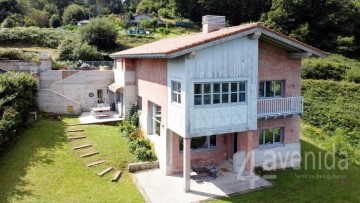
(213, 23)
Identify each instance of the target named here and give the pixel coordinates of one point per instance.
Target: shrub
(126, 128)
(134, 115)
(66, 48)
(10, 53)
(141, 148)
(18, 98)
(353, 75)
(100, 32)
(73, 13)
(13, 20)
(86, 52)
(42, 37)
(41, 17)
(164, 31)
(135, 135)
(51, 9)
(259, 170)
(55, 21)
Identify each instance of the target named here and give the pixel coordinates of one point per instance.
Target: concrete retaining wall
(23, 66)
(50, 101)
(133, 167)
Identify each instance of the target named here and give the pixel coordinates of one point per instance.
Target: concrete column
(186, 159)
(248, 152)
(169, 152)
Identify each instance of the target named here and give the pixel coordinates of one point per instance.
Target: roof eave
(118, 56)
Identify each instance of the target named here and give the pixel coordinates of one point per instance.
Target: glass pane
(216, 87)
(225, 98)
(225, 87)
(277, 134)
(269, 89)
(157, 126)
(261, 89)
(179, 98)
(173, 86)
(261, 137)
(207, 99)
(207, 88)
(242, 97)
(278, 88)
(233, 97)
(268, 137)
(179, 87)
(242, 86)
(197, 89)
(216, 98)
(199, 143)
(213, 141)
(234, 87)
(197, 99)
(174, 97)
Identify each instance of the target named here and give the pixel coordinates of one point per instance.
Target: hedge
(17, 99)
(43, 37)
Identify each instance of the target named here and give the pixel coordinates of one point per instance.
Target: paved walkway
(159, 188)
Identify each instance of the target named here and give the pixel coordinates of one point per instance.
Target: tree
(145, 23)
(164, 31)
(13, 20)
(100, 32)
(41, 17)
(147, 6)
(51, 9)
(154, 23)
(55, 21)
(326, 24)
(86, 52)
(7, 7)
(126, 20)
(73, 13)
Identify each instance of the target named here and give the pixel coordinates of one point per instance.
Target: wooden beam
(255, 35)
(299, 55)
(95, 163)
(116, 176)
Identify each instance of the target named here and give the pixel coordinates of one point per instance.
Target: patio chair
(212, 170)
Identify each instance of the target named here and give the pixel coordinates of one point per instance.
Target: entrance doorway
(234, 143)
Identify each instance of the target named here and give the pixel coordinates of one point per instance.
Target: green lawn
(42, 167)
(292, 186)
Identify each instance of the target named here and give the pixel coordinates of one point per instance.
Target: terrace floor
(88, 118)
(157, 187)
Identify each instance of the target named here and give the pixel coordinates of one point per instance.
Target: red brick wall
(151, 79)
(218, 156)
(275, 65)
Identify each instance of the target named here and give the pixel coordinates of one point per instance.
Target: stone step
(95, 163)
(103, 172)
(82, 146)
(116, 176)
(76, 137)
(88, 154)
(74, 131)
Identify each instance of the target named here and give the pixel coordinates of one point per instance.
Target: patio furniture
(212, 170)
(199, 165)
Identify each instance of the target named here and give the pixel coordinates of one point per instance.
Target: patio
(156, 187)
(89, 118)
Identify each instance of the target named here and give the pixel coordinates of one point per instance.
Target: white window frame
(176, 93)
(154, 120)
(220, 93)
(282, 86)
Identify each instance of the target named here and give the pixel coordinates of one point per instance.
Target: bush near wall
(17, 99)
(332, 116)
(139, 146)
(43, 37)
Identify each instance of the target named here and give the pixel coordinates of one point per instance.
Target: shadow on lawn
(33, 148)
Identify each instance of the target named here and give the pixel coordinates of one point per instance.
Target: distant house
(82, 22)
(139, 17)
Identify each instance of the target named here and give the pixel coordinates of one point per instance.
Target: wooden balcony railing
(274, 107)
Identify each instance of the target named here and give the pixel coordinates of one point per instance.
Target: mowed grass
(43, 167)
(309, 184)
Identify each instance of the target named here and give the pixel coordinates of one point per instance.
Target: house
(139, 17)
(226, 94)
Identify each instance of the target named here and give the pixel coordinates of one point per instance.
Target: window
(201, 143)
(176, 92)
(155, 112)
(219, 93)
(100, 96)
(270, 137)
(271, 88)
(139, 103)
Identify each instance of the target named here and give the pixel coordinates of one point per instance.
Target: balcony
(280, 107)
